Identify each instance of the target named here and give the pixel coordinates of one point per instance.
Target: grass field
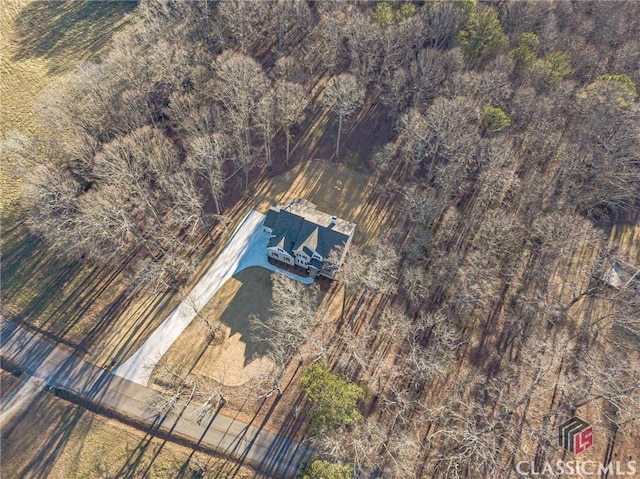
(55, 439)
(40, 44)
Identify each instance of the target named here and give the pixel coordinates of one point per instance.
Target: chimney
(334, 220)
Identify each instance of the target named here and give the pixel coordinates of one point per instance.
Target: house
(303, 236)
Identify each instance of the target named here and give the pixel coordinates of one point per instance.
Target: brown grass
(333, 188)
(56, 439)
(237, 353)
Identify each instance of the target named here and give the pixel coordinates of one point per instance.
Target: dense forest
(507, 137)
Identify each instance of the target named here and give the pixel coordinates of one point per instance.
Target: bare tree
(351, 270)
(207, 155)
(359, 445)
(241, 22)
(241, 84)
(213, 325)
(291, 100)
(363, 40)
(327, 37)
(50, 197)
(381, 269)
(288, 325)
(179, 389)
(607, 142)
(344, 95)
(266, 117)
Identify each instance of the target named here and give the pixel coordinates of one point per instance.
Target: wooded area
(507, 140)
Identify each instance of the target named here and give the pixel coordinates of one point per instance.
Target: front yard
(236, 354)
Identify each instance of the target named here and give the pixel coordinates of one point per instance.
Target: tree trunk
(214, 194)
(286, 134)
(267, 145)
(338, 140)
(247, 135)
(207, 226)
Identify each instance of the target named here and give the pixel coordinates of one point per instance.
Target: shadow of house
(251, 303)
(252, 299)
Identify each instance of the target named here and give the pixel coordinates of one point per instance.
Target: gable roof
(309, 231)
(278, 241)
(307, 237)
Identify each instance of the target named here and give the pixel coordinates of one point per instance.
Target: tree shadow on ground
(42, 446)
(67, 29)
(252, 299)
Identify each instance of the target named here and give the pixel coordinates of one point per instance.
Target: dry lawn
(333, 188)
(236, 356)
(40, 43)
(56, 439)
(237, 353)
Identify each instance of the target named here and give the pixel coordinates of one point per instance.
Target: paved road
(247, 247)
(59, 368)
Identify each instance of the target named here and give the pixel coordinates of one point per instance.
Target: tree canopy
(319, 469)
(482, 36)
(334, 397)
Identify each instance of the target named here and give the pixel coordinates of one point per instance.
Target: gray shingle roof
(316, 263)
(294, 232)
(270, 219)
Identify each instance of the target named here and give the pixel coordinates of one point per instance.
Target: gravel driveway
(247, 247)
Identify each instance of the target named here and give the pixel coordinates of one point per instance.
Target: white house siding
(302, 259)
(280, 255)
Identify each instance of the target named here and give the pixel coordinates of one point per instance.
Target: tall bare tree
(288, 325)
(265, 119)
(291, 100)
(344, 96)
(241, 84)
